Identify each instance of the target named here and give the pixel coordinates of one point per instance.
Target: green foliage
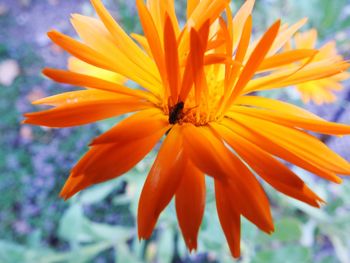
(287, 254)
(76, 233)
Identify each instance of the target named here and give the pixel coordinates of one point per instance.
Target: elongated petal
(207, 11)
(191, 5)
(142, 41)
(271, 170)
(276, 147)
(296, 75)
(255, 59)
(79, 96)
(105, 162)
(305, 145)
(137, 125)
(78, 66)
(239, 21)
(124, 42)
(211, 156)
(285, 35)
(161, 183)
(81, 51)
(84, 112)
(94, 34)
(171, 59)
(244, 41)
(207, 153)
(152, 36)
(159, 10)
(286, 58)
(197, 59)
(239, 57)
(229, 217)
(82, 80)
(190, 202)
(291, 120)
(277, 106)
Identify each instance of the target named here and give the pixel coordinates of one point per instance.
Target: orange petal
(270, 169)
(244, 41)
(229, 218)
(205, 150)
(76, 79)
(197, 59)
(255, 60)
(240, 54)
(79, 96)
(138, 125)
(161, 183)
(191, 5)
(190, 202)
(171, 59)
(159, 10)
(124, 42)
(84, 112)
(142, 41)
(296, 75)
(286, 58)
(152, 36)
(212, 157)
(285, 35)
(239, 20)
(95, 35)
(303, 144)
(206, 10)
(105, 162)
(290, 120)
(307, 39)
(81, 51)
(78, 66)
(276, 105)
(277, 148)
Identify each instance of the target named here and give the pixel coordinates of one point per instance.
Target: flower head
(322, 90)
(195, 83)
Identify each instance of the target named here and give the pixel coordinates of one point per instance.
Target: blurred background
(98, 225)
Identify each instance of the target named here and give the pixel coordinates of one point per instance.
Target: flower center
(200, 111)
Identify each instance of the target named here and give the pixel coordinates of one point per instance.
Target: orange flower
(320, 91)
(195, 95)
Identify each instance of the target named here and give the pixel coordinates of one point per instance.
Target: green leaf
(79, 255)
(97, 193)
(287, 229)
(10, 252)
(288, 254)
(71, 225)
(123, 254)
(14, 253)
(98, 231)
